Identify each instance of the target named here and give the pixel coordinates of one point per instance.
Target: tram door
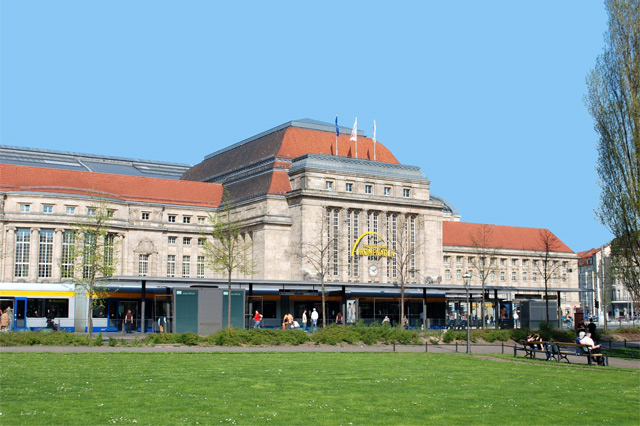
(113, 320)
(20, 313)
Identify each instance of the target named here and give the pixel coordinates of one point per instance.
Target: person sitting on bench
(595, 349)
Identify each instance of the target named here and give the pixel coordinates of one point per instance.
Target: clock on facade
(373, 270)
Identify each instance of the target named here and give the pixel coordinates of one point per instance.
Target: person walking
(128, 321)
(305, 320)
(4, 320)
(314, 320)
(257, 320)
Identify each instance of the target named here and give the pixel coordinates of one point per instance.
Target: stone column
(57, 254)
(8, 250)
(34, 243)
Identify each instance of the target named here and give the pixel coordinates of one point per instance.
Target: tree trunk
(324, 314)
(229, 301)
(89, 319)
(484, 323)
(401, 305)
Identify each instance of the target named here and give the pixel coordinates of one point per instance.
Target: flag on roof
(354, 132)
(337, 129)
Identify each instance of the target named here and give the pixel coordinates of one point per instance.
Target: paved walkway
(308, 347)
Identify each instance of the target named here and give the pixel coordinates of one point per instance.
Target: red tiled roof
(128, 188)
(298, 141)
(280, 183)
(504, 237)
(583, 255)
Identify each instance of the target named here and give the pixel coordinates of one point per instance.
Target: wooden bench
(562, 350)
(531, 348)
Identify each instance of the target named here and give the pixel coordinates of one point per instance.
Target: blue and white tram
(31, 302)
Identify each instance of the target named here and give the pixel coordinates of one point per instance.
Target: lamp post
(467, 283)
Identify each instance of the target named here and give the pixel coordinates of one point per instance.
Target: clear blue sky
(486, 97)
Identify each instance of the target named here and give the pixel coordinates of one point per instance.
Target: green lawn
(303, 388)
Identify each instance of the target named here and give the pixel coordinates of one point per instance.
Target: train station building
(295, 188)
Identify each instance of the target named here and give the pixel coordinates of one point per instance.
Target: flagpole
(374, 140)
(337, 134)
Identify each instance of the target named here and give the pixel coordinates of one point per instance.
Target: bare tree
(321, 253)
(227, 252)
(89, 255)
(406, 248)
(547, 264)
(485, 260)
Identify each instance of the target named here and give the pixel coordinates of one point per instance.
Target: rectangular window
(503, 262)
(186, 266)
(171, 265)
(514, 262)
(23, 245)
(172, 241)
(71, 210)
(89, 246)
(458, 274)
(201, 241)
(109, 246)
(111, 213)
(348, 187)
(405, 193)
(502, 276)
(524, 276)
(45, 253)
(534, 276)
(143, 265)
(200, 267)
(25, 208)
(186, 219)
(368, 189)
(524, 262)
(68, 248)
(91, 211)
(145, 215)
(387, 191)
(186, 241)
(493, 261)
(201, 220)
(535, 263)
(171, 218)
(447, 260)
(394, 245)
(514, 276)
(493, 276)
(447, 274)
(328, 185)
(459, 260)
(47, 208)
(470, 260)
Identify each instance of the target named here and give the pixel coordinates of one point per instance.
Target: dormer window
(145, 215)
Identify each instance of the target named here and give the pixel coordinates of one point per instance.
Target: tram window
(59, 306)
(100, 311)
(366, 310)
(270, 309)
(35, 308)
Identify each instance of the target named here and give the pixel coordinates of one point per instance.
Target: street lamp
(467, 283)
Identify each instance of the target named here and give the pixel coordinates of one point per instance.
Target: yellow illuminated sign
(371, 249)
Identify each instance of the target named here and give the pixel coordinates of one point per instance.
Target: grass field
(309, 388)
